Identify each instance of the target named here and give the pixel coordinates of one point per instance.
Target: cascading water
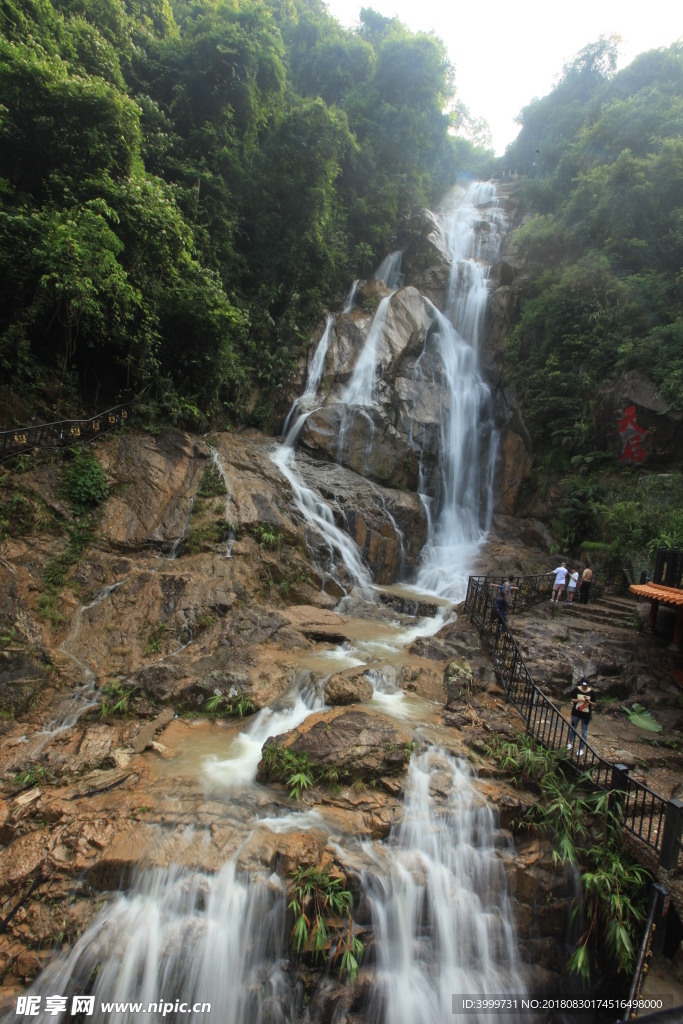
(436, 889)
(361, 385)
(315, 370)
(317, 514)
(351, 297)
(389, 270)
(239, 768)
(441, 918)
(186, 936)
(472, 234)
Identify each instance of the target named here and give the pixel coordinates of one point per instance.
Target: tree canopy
(184, 187)
(603, 250)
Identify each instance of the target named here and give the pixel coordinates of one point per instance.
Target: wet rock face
(354, 744)
(153, 481)
(389, 526)
(383, 441)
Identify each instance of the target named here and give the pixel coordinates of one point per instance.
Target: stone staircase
(609, 610)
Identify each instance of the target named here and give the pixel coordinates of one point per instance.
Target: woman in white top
(573, 584)
(560, 580)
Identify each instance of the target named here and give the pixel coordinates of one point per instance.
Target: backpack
(501, 592)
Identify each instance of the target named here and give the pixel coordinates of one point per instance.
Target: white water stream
(238, 769)
(218, 463)
(472, 232)
(441, 922)
(441, 917)
(186, 937)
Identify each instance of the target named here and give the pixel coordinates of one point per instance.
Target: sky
(505, 54)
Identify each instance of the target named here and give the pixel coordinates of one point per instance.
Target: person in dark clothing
(504, 596)
(582, 697)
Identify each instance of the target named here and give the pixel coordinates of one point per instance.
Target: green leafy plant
(83, 481)
(614, 891)
(284, 765)
(156, 636)
(30, 778)
(640, 717)
(205, 621)
(571, 813)
(120, 697)
(203, 537)
(239, 705)
(212, 484)
(267, 536)
(317, 901)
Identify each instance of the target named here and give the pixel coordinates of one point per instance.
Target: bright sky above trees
(506, 54)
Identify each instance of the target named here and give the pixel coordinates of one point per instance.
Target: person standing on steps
(560, 580)
(572, 585)
(504, 596)
(585, 588)
(582, 707)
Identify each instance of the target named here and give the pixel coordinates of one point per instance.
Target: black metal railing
(530, 590)
(62, 433)
(654, 820)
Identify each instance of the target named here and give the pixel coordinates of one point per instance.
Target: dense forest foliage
(185, 186)
(605, 156)
(601, 258)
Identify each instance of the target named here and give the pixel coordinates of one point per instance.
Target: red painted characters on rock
(632, 436)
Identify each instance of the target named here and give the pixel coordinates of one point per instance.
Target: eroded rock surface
(353, 688)
(355, 744)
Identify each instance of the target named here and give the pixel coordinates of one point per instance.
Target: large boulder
(352, 744)
(382, 441)
(638, 422)
(354, 688)
(426, 264)
(363, 439)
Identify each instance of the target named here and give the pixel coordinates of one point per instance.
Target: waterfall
(216, 459)
(441, 918)
(362, 383)
(472, 233)
(350, 301)
(185, 936)
(315, 370)
(436, 889)
(317, 514)
(389, 271)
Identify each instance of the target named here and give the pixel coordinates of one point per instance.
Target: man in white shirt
(560, 581)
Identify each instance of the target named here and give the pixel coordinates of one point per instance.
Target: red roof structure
(657, 592)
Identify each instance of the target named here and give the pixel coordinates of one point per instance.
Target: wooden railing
(656, 821)
(62, 433)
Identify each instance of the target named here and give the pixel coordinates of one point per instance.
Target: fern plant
(318, 900)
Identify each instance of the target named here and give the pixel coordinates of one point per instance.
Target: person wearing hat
(582, 707)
